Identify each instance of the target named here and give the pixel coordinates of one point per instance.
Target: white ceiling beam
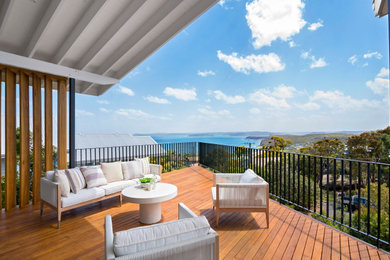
(11, 59)
(4, 12)
(82, 24)
(109, 33)
(36, 34)
(134, 38)
(164, 37)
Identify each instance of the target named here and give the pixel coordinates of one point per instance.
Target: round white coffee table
(150, 201)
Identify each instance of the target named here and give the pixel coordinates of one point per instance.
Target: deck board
(242, 235)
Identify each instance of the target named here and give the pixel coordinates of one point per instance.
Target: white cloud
(137, 114)
(157, 100)
(315, 63)
(103, 102)
(284, 92)
(126, 91)
(80, 112)
(206, 73)
(258, 63)
(210, 113)
(315, 26)
(219, 95)
(380, 85)
(374, 54)
(291, 44)
(337, 100)
(273, 19)
(133, 73)
(353, 59)
(318, 63)
(254, 111)
(104, 110)
(182, 94)
(276, 99)
(308, 106)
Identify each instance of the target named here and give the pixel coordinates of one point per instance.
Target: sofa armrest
(108, 238)
(227, 178)
(50, 192)
(155, 169)
(185, 212)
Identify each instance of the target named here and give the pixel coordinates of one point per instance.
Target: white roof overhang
(380, 7)
(97, 42)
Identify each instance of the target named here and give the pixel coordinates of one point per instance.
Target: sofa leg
(42, 204)
(267, 217)
(58, 218)
(217, 216)
(120, 199)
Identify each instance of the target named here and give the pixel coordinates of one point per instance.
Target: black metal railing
(171, 155)
(349, 194)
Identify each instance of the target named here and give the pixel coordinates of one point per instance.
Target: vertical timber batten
(37, 138)
(24, 139)
(62, 100)
(48, 124)
(10, 139)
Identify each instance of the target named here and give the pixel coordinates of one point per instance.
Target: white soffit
(380, 7)
(96, 41)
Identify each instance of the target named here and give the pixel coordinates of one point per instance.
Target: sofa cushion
(145, 165)
(249, 176)
(60, 177)
(49, 175)
(132, 170)
(94, 176)
(76, 179)
(159, 235)
(117, 186)
(82, 196)
(112, 171)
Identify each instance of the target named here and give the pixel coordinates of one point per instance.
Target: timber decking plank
(242, 235)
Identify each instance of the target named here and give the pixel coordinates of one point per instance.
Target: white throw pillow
(145, 165)
(249, 177)
(76, 179)
(132, 170)
(112, 171)
(60, 177)
(94, 176)
(165, 234)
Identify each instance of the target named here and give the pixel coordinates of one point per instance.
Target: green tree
(326, 147)
(276, 143)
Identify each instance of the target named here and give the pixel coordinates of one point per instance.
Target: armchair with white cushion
(233, 192)
(190, 237)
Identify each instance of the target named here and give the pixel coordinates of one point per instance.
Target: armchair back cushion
(132, 170)
(249, 176)
(150, 237)
(93, 176)
(76, 179)
(112, 171)
(144, 164)
(60, 177)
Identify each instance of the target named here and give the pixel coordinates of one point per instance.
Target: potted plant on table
(147, 183)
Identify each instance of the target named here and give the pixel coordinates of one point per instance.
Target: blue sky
(266, 65)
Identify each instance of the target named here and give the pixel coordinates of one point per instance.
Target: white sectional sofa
(50, 191)
(190, 237)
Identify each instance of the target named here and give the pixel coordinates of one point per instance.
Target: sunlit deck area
(25, 235)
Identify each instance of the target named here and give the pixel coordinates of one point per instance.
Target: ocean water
(226, 140)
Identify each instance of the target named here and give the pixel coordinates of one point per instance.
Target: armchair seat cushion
(82, 196)
(150, 237)
(117, 186)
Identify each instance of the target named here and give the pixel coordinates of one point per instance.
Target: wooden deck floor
(291, 235)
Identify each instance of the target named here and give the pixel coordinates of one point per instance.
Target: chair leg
(42, 204)
(267, 216)
(120, 199)
(58, 218)
(217, 216)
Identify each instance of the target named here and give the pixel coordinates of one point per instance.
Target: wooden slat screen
(17, 157)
